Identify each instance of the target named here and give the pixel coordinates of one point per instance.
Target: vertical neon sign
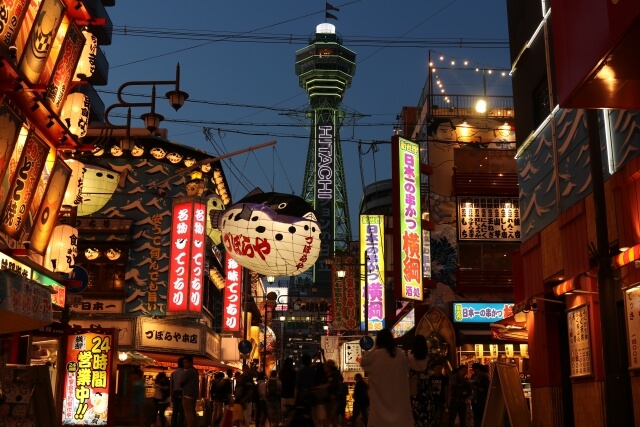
(187, 257)
(231, 310)
(407, 219)
(372, 265)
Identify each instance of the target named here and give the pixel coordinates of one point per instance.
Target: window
(541, 107)
(486, 256)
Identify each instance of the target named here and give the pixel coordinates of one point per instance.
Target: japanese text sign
(186, 271)
(579, 341)
(481, 312)
(232, 296)
(632, 314)
(158, 335)
(372, 270)
(489, 218)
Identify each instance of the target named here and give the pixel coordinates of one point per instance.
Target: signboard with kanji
(372, 271)
(632, 314)
(158, 335)
(579, 341)
(351, 354)
(489, 218)
(232, 296)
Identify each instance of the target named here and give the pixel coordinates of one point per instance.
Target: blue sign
(366, 342)
(244, 347)
(481, 312)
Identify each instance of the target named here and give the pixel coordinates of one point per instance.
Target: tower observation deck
(325, 69)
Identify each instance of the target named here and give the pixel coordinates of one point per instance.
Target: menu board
(29, 398)
(579, 341)
(632, 315)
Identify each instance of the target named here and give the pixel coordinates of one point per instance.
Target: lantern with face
(158, 153)
(272, 234)
(174, 157)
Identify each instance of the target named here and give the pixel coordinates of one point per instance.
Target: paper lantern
(73, 194)
(92, 253)
(63, 249)
(75, 113)
(97, 188)
(87, 63)
(272, 234)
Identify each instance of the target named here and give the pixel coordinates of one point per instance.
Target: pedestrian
(320, 395)
(481, 391)
(219, 396)
(334, 380)
(161, 397)
(274, 396)
(438, 384)
(418, 376)
(460, 396)
(245, 394)
(388, 372)
(190, 391)
(137, 397)
(305, 379)
(177, 412)
(261, 404)
(360, 414)
(288, 380)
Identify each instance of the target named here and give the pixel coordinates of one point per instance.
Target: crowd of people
(402, 389)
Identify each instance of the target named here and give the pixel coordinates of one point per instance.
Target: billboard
(481, 312)
(344, 309)
(186, 271)
(407, 219)
(372, 271)
(87, 377)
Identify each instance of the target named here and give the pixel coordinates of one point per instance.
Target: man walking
(190, 391)
(177, 414)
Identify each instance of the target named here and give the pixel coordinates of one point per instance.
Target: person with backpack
(274, 393)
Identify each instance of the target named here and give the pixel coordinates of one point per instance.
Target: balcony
(475, 280)
(494, 184)
(498, 107)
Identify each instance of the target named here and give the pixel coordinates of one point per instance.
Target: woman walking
(161, 397)
(388, 372)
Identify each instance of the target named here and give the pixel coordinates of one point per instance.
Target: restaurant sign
(156, 335)
(481, 312)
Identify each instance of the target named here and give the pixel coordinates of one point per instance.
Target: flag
(330, 16)
(331, 7)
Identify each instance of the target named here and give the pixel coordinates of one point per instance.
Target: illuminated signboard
(344, 310)
(8, 263)
(372, 265)
(232, 296)
(481, 312)
(324, 203)
(282, 297)
(59, 297)
(10, 125)
(489, 218)
(66, 63)
(407, 217)
(187, 257)
(405, 324)
(23, 186)
(11, 18)
(87, 377)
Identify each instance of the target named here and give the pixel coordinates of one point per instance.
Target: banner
(87, 377)
(10, 125)
(58, 85)
(344, 309)
(11, 14)
(232, 296)
(372, 271)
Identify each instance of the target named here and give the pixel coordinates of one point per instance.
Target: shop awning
(199, 362)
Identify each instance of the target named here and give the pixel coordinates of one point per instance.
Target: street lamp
(151, 119)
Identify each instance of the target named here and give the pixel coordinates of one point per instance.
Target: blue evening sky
(237, 63)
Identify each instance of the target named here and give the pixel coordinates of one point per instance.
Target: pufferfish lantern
(271, 233)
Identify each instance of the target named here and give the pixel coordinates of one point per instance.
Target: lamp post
(151, 119)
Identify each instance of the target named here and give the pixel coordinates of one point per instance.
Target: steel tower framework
(325, 69)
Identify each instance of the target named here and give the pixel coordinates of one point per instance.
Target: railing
(465, 106)
(473, 280)
(499, 184)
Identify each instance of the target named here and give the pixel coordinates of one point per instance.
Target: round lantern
(63, 248)
(97, 188)
(87, 63)
(75, 113)
(73, 194)
(273, 234)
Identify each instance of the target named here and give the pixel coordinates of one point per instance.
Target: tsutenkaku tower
(325, 69)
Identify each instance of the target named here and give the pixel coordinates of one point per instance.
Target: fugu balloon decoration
(272, 234)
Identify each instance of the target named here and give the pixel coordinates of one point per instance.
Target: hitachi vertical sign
(407, 218)
(325, 191)
(187, 257)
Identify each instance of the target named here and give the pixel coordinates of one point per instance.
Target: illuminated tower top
(325, 67)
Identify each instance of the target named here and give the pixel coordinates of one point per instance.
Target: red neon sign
(231, 313)
(187, 257)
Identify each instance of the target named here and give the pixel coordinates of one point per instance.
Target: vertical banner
(41, 39)
(344, 308)
(479, 350)
(324, 203)
(10, 125)
(232, 296)
(508, 350)
(187, 257)
(11, 14)
(39, 194)
(407, 218)
(372, 271)
(87, 377)
(23, 186)
(493, 350)
(67, 61)
(49, 207)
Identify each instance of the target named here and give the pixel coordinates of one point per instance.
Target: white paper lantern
(75, 113)
(73, 194)
(87, 63)
(97, 188)
(63, 249)
(272, 234)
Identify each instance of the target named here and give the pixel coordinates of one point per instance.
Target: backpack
(272, 389)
